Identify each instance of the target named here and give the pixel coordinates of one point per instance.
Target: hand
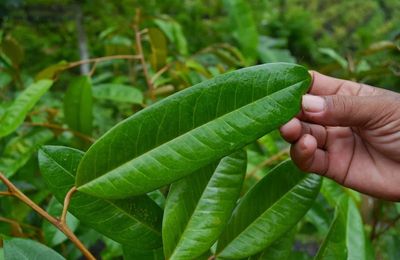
(349, 132)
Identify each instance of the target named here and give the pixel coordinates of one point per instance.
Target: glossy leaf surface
(78, 105)
(191, 129)
(267, 211)
(25, 249)
(118, 93)
(15, 114)
(135, 221)
(346, 238)
(199, 206)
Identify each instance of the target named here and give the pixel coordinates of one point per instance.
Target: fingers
(324, 85)
(308, 157)
(348, 110)
(295, 128)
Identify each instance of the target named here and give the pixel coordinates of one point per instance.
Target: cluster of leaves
(252, 203)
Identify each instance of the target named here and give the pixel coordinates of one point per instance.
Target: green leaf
(346, 238)
(158, 44)
(131, 253)
(25, 249)
(191, 129)
(268, 210)
(13, 50)
(174, 33)
(135, 221)
(279, 250)
(199, 205)
(78, 105)
(17, 111)
(52, 235)
(335, 56)
(51, 71)
(243, 27)
(20, 149)
(118, 93)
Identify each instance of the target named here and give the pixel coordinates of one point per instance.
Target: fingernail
(313, 104)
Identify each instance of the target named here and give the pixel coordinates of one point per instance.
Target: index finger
(323, 85)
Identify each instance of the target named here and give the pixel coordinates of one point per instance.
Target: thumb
(339, 110)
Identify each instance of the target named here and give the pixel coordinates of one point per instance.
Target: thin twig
(5, 193)
(57, 223)
(139, 50)
(67, 200)
(60, 128)
(93, 69)
(269, 161)
(102, 59)
(160, 72)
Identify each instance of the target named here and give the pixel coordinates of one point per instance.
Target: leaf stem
(139, 50)
(102, 59)
(67, 200)
(267, 162)
(57, 223)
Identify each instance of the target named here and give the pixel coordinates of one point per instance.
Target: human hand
(349, 132)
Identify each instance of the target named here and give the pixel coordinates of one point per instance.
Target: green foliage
(25, 249)
(183, 155)
(15, 114)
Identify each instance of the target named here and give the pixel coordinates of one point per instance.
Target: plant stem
(101, 59)
(67, 200)
(139, 49)
(60, 128)
(269, 161)
(56, 222)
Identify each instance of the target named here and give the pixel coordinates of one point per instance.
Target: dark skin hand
(349, 132)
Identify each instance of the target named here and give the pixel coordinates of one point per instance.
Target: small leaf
(174, 33)
(25, 249)
(346, 238)
(17, 111)
(51, 71)
(158, 44)
(199, 205)
(52, 235)
(118, 93)
(135, 221)
(335, 56)
(191, 129)
(13, 50)
(269, 210)
(78, 105)
(20, 149)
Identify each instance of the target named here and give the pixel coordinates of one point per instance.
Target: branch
(269, 161)
(60, 128)
(101, 59)
(139, 49)
(57, 223)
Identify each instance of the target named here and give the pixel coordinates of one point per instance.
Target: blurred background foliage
(183, 42)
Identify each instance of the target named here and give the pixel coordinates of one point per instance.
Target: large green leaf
(17, 111)
(346, 238)
(132, 254)
(19, 150)
(25, 249)
(118, 93)
(78, 105)
(199, 205)
(267, 211)
(190, 129)
(135, 221)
